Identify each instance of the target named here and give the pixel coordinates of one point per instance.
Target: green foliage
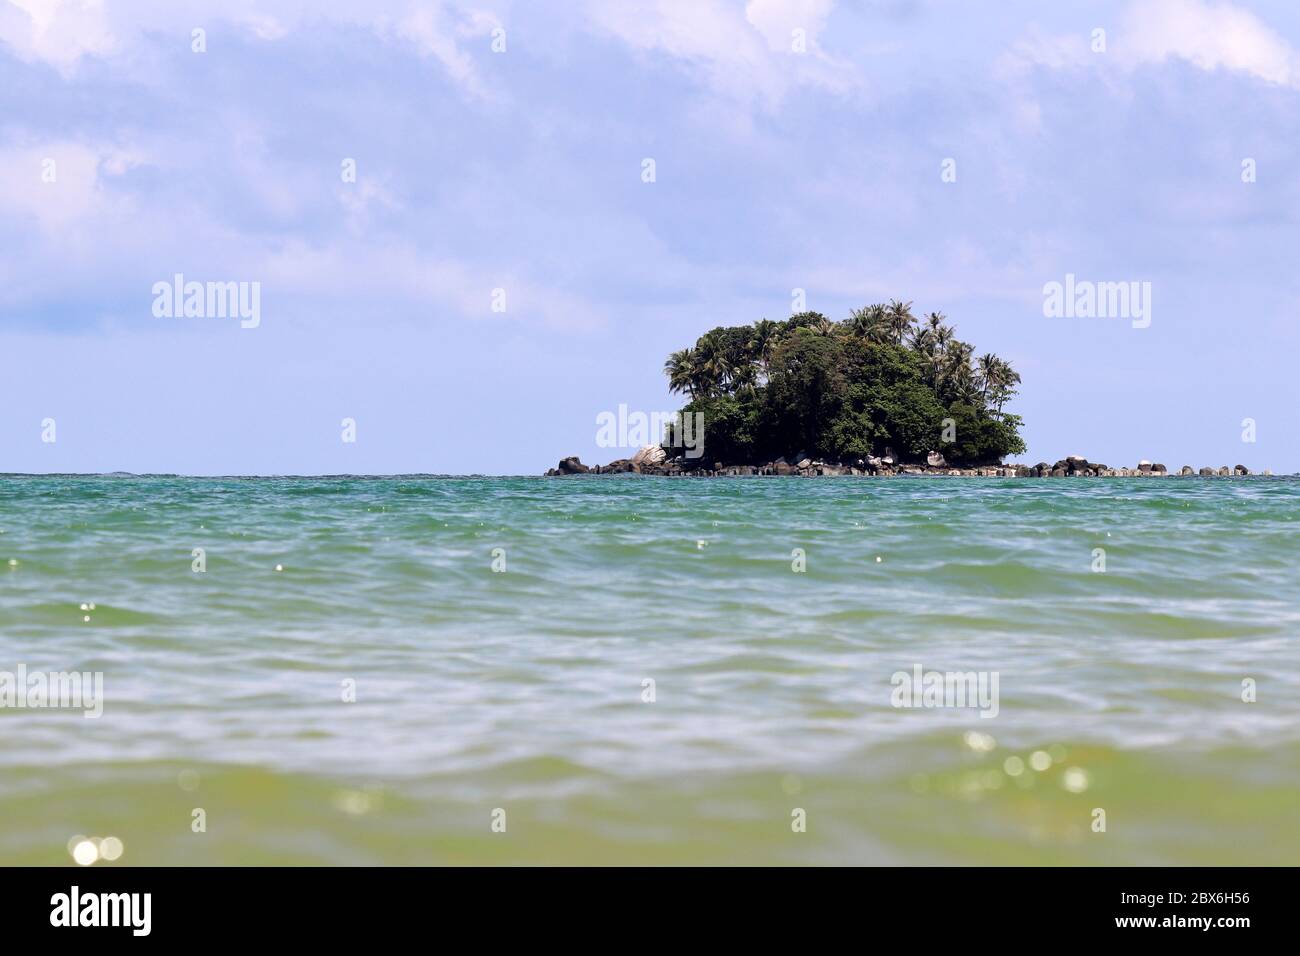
(982, 438)
(847, 390)
(731, 428)
(912, 417)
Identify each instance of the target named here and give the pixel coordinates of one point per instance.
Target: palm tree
(713, 369)
(954, 377)
(961, 381)
(1007, 380)
(987, 374)
(863, 321)
(762, 342)
(811, 320)
(679, 368)
(898, 320)
(744, 380)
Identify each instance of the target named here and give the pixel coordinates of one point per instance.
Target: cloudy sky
(127, 157)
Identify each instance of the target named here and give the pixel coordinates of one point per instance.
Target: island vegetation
(879, 382)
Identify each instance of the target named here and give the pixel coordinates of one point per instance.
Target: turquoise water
(522, 690)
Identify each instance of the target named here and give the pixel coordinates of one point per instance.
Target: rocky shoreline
(654, 460)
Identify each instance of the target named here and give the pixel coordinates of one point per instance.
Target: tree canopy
(880, 379)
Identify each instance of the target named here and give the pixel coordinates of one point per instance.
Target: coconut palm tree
(954, 377)
(867, 321)
(1007, 380)
(898, 320)
(762, 342)
(680, 368)
(713, 368)
(988, 370)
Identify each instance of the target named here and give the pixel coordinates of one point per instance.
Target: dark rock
(1207, 472)
(572, 466)
(1186, 470)
(1241, 470)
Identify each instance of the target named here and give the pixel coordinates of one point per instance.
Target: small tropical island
(878, 393)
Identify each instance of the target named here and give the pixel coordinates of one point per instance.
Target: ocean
(631, 670)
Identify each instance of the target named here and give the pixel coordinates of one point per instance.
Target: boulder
(1186, 470)
(1144, 466)
(1223, 472)
(1241, 470)
(935, 460)
(1207, 472)
(805, 463)
(650, 455)
(1159, 469)
(572, 466)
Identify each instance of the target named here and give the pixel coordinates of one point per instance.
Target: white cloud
(62, 32)
(745, 56)
(434, 29)
(1210, 36)
(776, 20)
(366, 274)
(58, 185)
(58, 32)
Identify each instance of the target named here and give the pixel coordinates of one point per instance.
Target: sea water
(622, 669)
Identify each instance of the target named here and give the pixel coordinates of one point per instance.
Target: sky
(459, 246)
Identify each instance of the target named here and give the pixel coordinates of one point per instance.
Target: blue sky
(522, 170)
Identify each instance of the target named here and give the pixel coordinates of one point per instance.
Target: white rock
(650, 455)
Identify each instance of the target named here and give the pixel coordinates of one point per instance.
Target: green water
(523, 690)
